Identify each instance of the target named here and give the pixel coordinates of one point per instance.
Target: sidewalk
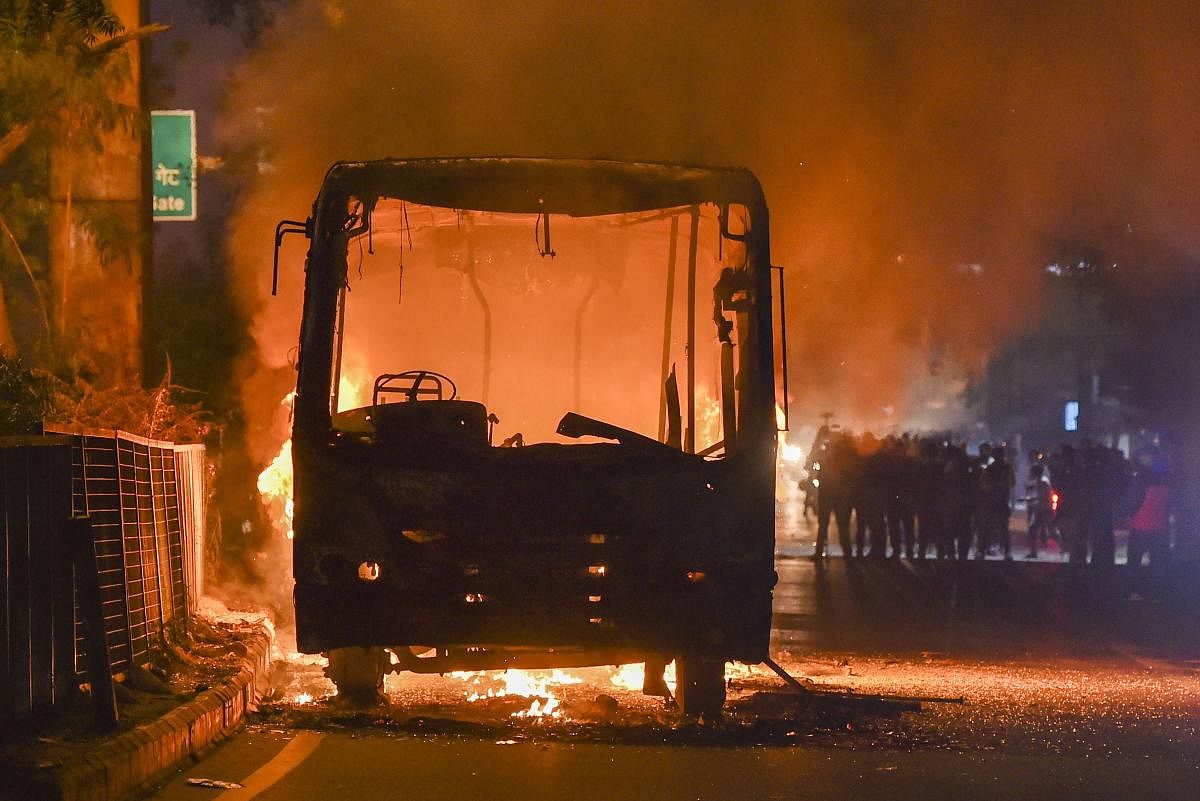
(219, 678)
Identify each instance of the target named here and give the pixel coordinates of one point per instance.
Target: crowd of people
(925, 496)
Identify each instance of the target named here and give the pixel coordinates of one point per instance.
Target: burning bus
(535, 420)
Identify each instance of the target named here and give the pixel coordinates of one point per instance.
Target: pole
(667, 315)
(689, 441)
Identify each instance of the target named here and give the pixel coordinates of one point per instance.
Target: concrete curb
(122, 765)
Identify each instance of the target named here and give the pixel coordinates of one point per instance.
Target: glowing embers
(368, 571)
(537, 685)
(597, 570)
(421, 535)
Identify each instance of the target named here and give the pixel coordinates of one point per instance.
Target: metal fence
(191, 477)
(145, 499)
(37, 609)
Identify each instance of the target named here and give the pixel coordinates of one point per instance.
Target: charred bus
(535, 420)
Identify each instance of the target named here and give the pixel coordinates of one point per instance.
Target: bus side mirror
(284, 228)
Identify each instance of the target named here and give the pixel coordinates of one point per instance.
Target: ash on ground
(1083, 707)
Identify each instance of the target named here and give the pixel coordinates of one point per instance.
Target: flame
(354, 389)
(632, 676)
(302, 698)
(534, 684)
(275, 483)
(708, 417)
(792, 454)
(538, 710)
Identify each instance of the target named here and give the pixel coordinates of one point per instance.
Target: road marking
(295, 752)
(1162, 666)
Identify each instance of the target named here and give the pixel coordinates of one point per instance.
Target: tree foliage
(56, 74)
(38, 18)
(26, 396)
(250, 17)
(62, 68)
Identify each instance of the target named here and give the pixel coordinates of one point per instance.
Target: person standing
(955, 497)
(1148, 502)
(1039, 495)
(1109, 481)
(870, 505)
(981, 501)
(900, 504)
(1071, 484)
(833, 480)
(1000, 478)
(928, 478)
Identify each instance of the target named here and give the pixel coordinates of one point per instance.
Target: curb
(124, 764)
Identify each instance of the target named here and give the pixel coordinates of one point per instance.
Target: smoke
(921, 160)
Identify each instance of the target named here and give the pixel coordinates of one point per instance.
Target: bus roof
(577, 187)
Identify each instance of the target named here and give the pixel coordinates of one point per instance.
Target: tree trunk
(98, 306)
(25, 321)
(16, 136)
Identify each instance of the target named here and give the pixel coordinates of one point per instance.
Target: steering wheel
(414, 385)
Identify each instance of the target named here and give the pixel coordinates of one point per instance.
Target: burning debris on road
(1033, 707)
(602, 704)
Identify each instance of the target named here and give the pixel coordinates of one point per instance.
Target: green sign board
(173, 164)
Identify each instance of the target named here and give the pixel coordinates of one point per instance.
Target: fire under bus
(535, 421)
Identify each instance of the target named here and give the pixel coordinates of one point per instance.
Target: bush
(167, 412)
(26, 397)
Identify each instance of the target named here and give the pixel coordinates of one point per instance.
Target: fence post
(87, 581)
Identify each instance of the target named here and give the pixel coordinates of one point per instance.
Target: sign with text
(173, 164)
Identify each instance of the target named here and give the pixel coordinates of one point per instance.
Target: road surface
(1070, 690)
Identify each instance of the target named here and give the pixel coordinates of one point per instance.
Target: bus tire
(358, 673)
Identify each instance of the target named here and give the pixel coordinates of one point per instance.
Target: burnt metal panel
(130, 489)
(192, 495)
(16, 523)
(96, 492)
(577, 187)
(362, 507)
(141, 548)
(35, 597)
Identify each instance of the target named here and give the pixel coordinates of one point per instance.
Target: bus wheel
(700, 686)
(358, 673)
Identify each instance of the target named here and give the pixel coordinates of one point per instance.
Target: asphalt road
(347, 766)
(1070, 689)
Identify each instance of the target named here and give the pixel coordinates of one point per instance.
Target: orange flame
(275, 483)
(535, 684)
